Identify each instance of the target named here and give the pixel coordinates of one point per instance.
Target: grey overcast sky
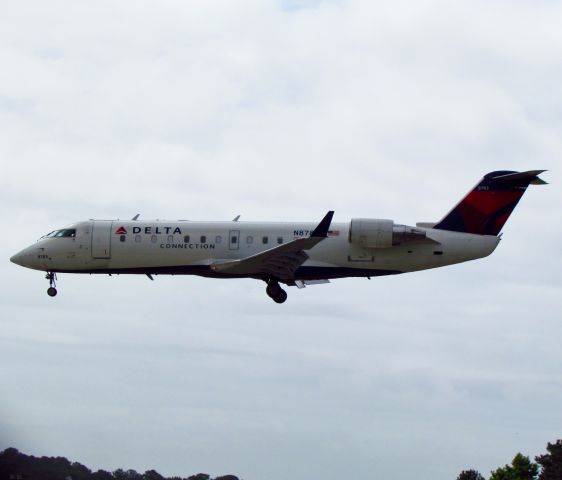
(281, 110)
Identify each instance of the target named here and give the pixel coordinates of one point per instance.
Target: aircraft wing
(279, 262)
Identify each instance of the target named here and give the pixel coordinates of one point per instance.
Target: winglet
(322, 229)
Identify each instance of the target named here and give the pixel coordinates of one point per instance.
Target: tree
(133, 475)
(521, 468)
(14, 464)
(470, 475)
(80, 472)
(152, 475)
(551, 462)
(130, 474)
(101, 475)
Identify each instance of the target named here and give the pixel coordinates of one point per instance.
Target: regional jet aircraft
(294, 254)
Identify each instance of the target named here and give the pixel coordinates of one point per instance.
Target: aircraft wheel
(275, 292)
(281, 296)
(272, 289)
(52, 291)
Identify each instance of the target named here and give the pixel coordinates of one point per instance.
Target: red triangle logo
(121, 231)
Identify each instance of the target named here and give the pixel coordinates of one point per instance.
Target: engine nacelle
(381, 233)
(371, 233)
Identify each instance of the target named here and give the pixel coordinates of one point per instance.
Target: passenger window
(265, 240)
(137, 238)
(249, 239)
(218, 239)
(122, 238)
(170, 239)
(279, 240)
(203, 239)
(186, 239)
(153, 238)
(234, 240)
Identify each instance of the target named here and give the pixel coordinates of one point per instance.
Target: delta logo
(121, 231)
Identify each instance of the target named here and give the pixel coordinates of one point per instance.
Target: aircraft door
(234, 239)
(101, 239)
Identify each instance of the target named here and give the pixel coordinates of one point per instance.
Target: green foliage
(12, 462)
(44, 468)
(551, 462)
(521, 468)
(152, 475)
(54, 468)
(470, 475)
(120, 474)
(102, 475)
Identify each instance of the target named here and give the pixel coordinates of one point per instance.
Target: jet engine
(380, 233)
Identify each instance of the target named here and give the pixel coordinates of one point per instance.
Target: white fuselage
(186, 247)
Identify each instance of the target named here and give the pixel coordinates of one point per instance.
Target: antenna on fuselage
(136, 217)
(236, 218)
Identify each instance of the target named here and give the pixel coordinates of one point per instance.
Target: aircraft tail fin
(487, 207)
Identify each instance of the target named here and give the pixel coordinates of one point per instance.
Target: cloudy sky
(281, 110)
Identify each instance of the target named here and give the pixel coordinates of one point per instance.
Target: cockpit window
(67, 232)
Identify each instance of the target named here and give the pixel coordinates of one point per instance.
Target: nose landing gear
(52, 277)
(275, 292)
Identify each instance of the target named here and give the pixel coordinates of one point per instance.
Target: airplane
(295, 254)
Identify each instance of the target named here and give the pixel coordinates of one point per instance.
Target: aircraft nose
(23, 258)
(32, 257)
(17, 259)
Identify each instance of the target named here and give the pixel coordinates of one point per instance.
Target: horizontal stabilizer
(531, 177)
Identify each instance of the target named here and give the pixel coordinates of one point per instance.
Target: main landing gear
(275, 292)
(52, 277)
